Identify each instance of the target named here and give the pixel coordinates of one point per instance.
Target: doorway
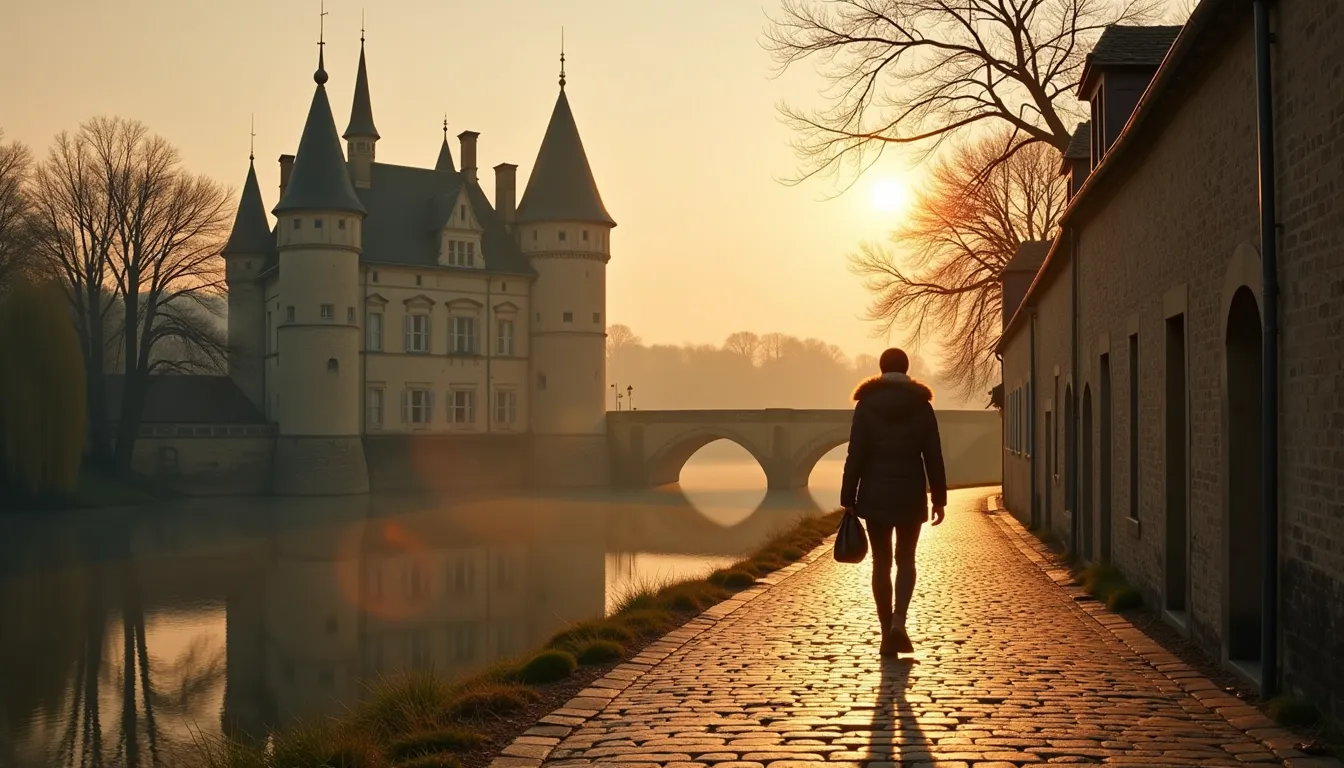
(1244, 567)
(1085, 506)
(1104, 507)
(1177, 527)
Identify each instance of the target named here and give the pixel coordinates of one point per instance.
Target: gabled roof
(251, 233)
(1080, 144)
(1029, 257)
(320, 180)
(1127, 46)
(561, 187)
(188, 400)
(361, 111)
(407, 208)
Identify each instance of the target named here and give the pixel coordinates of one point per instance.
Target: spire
(361, 112)
(319, 180)
(562, 58)
(445, 161)
(251, 230)
(561, 187)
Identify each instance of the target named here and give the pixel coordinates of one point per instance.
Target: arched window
(333, 366)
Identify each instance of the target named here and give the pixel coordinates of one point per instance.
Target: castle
(397, 306)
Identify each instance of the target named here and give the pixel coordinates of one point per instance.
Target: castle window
(289, 313)
(562, 235)
(534, 234)
(504, 287)
(462, 212)
(568, 317)
(417, 406)
(349, 314)
(541, 381)
(463, 330)
(417, 280)
(506, 407)
(373, 326)
(340, 223)
(597, 317)
(317, 223)
(298, 223)
(585, 235)
(375, 275)
(374, 405)
(328, 311)
(461, 253)
(333, 366)
(463, 409)
(417, 333)
(504, 337)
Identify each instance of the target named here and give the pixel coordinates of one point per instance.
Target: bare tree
(744, 343)
(16, 164)
(1179, 11)
(619, 337)
(774, 346)
(126, 219)
(940, 275)
(916, 72)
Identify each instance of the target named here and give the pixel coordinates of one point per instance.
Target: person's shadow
(895, 733)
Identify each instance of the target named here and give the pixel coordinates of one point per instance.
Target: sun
(889, 195)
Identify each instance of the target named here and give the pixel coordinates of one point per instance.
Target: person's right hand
(939, 514)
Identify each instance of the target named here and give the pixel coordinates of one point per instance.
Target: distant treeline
(748, 370)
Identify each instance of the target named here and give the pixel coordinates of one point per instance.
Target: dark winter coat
(894, 448)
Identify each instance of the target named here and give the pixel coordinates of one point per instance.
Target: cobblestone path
(1008, 671)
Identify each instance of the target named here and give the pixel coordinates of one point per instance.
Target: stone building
(1137, 360)
(394, 319)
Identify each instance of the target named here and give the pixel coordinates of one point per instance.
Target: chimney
(506, 188)
(468, 139)
(286, 168)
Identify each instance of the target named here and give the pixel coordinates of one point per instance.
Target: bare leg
(879, 537)
(907, 539)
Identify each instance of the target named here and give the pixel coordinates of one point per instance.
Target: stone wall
(1017, 462)
(319, 466)
(1052, 308)
(446, 463)
(206, 460)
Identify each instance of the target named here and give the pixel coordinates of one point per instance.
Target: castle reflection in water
(124, 632)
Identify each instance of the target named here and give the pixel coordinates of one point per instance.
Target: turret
(250, 247)
(319, 223)
(361, 136)
(445, 161)
(564, 229)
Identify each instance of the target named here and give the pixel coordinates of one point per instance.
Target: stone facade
(1165, 240)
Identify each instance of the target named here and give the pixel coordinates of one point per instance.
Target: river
(125, 633)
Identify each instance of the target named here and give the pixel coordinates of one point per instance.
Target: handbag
(851, 545)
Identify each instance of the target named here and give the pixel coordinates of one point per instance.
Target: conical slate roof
(361, 112)
(251, 230)
(319, 180)
(445, 161)
(561, 187)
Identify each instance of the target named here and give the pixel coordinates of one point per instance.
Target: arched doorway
(1070, 464)
(1243, 568)
(1086, 506)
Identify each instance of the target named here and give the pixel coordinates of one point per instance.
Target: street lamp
(616, 395)
(630, 396)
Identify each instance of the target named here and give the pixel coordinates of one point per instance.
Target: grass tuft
(325, 745)
(692, 597)
(582, 632)
(642, 623)
(640, 596)
(596, 652)
(434, 742)
(1294, 712)
(732, 578)
(412, 700)
(493, 700)
(547, 667)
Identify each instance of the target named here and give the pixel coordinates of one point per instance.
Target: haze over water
(267, 609)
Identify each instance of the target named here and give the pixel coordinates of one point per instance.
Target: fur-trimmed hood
(900, 382)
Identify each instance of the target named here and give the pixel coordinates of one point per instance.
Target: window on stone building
(463, 334)
(317, 223)
(461, 253)
(328, 311)
(568, 317)
(585, 235)
(270, 332)
(417, 280)
(289, 313)
(374, 404)
(340, 223)
(418, 406)
(506, 407)
(562, 235)
(349, 314)
(463, 406)
(375, 275)
(597, 317)
(462, 213)
(1027, 416)
(373, 329)
(298, 223)
(504, 337)
(333, 366)
(417, 333)
(534, 234)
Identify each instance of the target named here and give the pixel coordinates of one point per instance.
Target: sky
(676, 103)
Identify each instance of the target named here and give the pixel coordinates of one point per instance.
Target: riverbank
(418, 720)
(95, 489)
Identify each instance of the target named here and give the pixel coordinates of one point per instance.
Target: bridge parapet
(649, 448)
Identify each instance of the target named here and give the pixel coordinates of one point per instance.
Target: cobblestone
(1009, 671)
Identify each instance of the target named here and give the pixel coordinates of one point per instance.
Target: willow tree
(41, 393)
(938, 277)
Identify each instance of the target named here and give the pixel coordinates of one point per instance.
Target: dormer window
(462, 213)
(461, 253)
(317, 223)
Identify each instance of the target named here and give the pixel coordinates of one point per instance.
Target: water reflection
(125, 630)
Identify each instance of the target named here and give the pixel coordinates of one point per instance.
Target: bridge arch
(665, 466)
(805, 459)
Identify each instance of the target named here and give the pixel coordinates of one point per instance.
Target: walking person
(895, 454)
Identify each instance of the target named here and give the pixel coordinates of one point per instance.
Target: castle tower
(320, 219)
(565, 230)
(249, 247)
(360, 135)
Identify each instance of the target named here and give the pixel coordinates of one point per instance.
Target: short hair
(894, 360)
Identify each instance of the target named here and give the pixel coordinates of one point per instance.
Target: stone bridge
(649, 448)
